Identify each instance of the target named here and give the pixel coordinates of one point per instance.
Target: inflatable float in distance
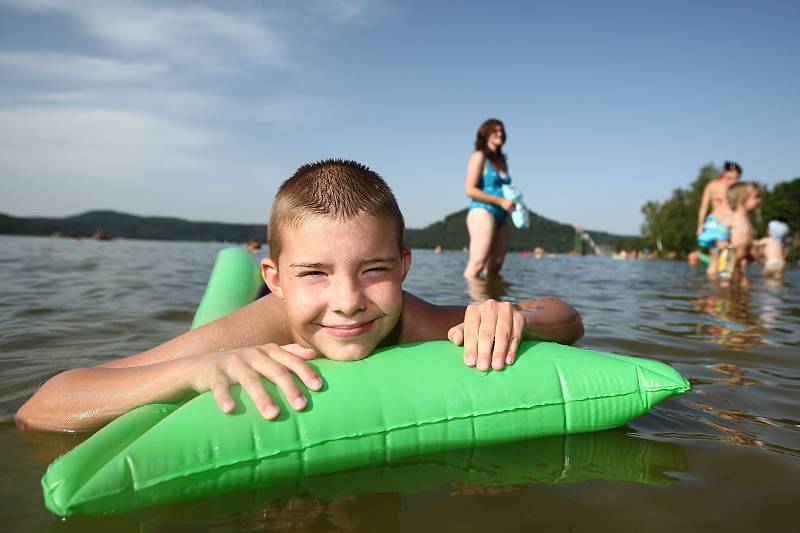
(401, 402)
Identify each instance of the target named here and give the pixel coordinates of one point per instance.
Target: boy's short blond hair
(739, 192)
(334, 188)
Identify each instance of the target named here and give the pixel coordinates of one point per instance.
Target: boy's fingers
(486, 333)
(280, 376)
(223, 396)
(502, 334)
(456, 334)
(251, 383)
(299, 367)
(472, 321)
(300, 351)
(516, 337)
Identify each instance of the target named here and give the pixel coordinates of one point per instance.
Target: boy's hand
(490, 333)
(217, 371)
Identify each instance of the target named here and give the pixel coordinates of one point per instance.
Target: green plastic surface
(605, 455)
(399, 404)
(233, 284)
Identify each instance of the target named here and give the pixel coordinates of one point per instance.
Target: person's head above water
(337, 258)
(778, 230)
(490, 139)
(744, 195)
(334, 188)
(732, 170)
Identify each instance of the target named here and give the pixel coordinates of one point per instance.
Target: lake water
(723, 457)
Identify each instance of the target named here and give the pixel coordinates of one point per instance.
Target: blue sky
(201, 109)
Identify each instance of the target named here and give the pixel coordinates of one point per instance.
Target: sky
(199, 110)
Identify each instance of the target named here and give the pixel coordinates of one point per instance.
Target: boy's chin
(347, 352)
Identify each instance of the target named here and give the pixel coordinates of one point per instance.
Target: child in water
(774, 252)
(336, 267)
(743, 198)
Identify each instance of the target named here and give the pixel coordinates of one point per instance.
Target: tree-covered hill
(132, 227)
(451, 232)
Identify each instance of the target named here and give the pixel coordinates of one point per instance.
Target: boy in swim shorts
(336, 267)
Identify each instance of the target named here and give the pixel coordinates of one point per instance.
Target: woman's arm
(474, 172)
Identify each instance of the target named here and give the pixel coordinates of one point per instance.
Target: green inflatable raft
(400, 403)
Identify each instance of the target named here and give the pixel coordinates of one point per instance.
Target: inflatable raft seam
(157, 480)
(191, 471)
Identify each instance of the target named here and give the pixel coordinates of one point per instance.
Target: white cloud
(93, 143)
(72, 67)
(341, 10)
(195, 36)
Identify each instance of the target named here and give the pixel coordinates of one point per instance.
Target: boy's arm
(258, 323)
(479, 326)
(237, 349)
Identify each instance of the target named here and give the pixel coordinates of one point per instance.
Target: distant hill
(450, 233)
(133, 227)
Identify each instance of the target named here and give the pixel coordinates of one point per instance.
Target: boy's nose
(347, 297)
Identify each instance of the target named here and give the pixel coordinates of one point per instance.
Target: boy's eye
(311, 273)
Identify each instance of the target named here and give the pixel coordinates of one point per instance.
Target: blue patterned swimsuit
(491, 183)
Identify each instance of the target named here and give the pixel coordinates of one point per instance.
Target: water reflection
(370, 499)
(481, 289)
(732, 323)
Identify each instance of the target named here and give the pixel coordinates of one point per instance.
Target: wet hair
(498, 158)
(333, 188)
(739, 192)
(730, 166)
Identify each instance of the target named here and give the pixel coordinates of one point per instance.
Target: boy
(336, 267)
(743, 198)
(774, 254)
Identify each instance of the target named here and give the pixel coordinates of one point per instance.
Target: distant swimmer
(773, 249)
(712, 228)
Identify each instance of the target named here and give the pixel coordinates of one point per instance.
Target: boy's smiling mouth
(346, 331)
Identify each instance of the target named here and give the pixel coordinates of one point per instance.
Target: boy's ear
(405, 256)
(269, 271)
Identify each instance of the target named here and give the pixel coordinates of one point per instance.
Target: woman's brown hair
(498, 158)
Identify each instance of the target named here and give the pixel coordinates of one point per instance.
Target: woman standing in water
(713, 230)
(487, 220)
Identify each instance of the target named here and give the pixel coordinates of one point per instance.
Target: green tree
(674, 221)
(782, 203)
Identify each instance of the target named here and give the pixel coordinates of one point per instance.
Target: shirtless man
(712, 230)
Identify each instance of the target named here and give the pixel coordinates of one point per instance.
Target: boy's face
(753, 201)
(341, 282)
